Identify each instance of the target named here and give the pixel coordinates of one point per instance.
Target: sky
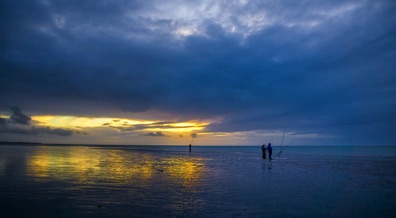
(224, 72)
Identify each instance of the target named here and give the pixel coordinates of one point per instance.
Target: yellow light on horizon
(180, 127)
(173, 130)
(74, 122)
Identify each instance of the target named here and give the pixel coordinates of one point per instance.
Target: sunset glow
(122, 124)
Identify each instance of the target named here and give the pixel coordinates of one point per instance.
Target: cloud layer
(19, 123)
(324, 68)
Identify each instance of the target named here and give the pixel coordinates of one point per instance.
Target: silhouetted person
(269, 148)
(264, 151)
(189, 146)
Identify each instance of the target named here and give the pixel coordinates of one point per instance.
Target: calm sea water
(161, 181)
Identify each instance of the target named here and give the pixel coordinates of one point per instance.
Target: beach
(217, 181)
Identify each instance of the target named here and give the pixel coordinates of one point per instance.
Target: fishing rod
(282, 149)
(193, 135)
(192, 139)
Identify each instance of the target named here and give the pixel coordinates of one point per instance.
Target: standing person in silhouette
(269, 148)
(189, 146)
(264, 151)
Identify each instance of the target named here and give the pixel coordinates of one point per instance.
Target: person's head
(269, 144)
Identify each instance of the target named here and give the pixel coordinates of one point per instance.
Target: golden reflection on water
(85, 165)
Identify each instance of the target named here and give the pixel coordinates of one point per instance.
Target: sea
(211, 181)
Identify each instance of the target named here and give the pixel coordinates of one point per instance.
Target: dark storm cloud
(56, 131)
(19, 123)
(32, 130)
(156, 134)
(18, 117)
(2, 121)
(260, 65)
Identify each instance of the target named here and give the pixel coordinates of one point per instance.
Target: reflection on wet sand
(85, 165)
